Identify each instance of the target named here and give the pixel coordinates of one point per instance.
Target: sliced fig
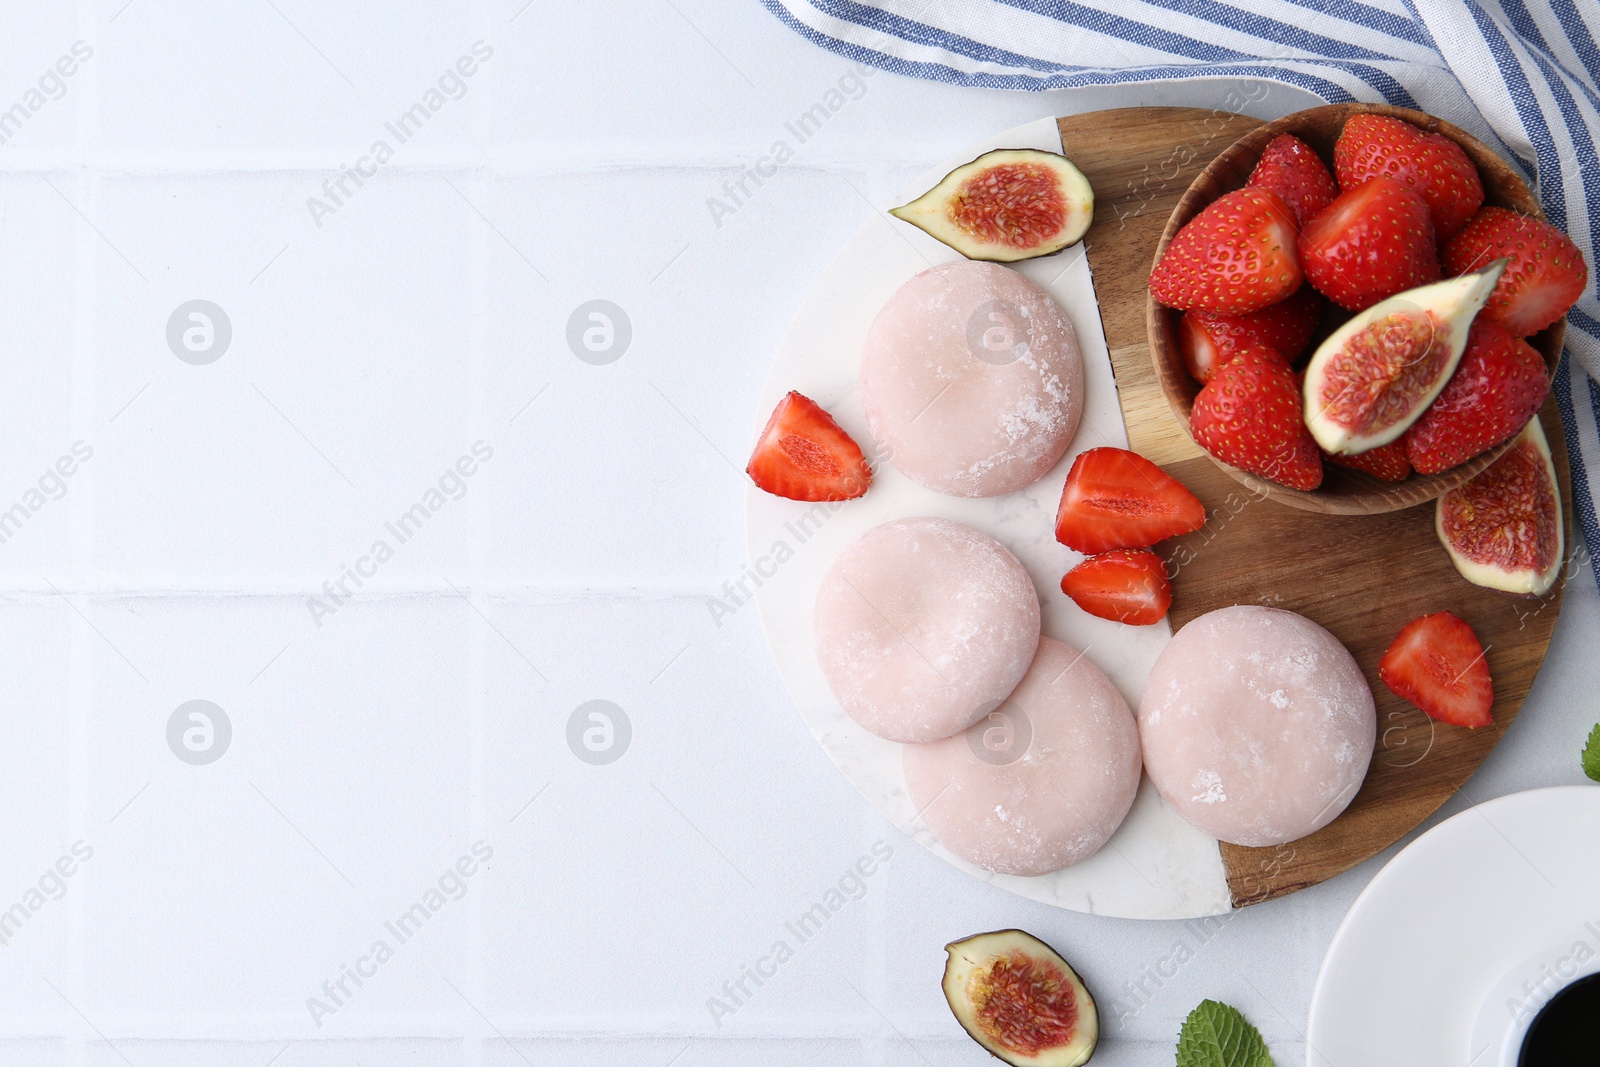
(1006, 205)
(1016, 996)
(1504, 529)
(1375, 375)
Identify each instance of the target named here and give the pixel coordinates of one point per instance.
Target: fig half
(1006, 205)
(1504, 528)
(1014, 995)
(1375, 375)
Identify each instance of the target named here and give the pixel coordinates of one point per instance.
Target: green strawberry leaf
(1216, 1035)
(1591, 754)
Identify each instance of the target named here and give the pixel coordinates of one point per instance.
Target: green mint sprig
(1216, 1035)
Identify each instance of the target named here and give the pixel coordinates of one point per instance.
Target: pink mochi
(923, 626)
(1040, 784)
(1257, 724)
(972, 380)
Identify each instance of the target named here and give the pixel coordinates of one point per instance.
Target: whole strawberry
(1248, 416)
(1290, 168)
(1545, 277)
(1236, 255)
(1369, 244)
(1500, 384)
(1377, 146)
(1386, 462)
(1208, 339)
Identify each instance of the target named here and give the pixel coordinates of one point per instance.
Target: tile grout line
(524, 161)
(80, 685)
(477, 534)
(876, 976)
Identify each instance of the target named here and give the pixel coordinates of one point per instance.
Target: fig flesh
(1375, 375)
(1016, 996)
(1504, 529)
(1007, 205)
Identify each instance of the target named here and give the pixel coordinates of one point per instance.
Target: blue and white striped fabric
(1524, 75)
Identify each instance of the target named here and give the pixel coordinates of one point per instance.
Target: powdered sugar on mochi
(972, 380)
(923, 626)
(1257, 725)
(1043, 782)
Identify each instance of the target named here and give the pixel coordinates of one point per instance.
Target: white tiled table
(375, 744)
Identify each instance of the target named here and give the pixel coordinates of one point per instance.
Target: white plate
(1156, 865)
(1465, 905)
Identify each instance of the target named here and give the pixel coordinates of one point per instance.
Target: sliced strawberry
(1249, 416)
(1127, 585)
(1208, 339)
(1377, 146)
(1369, 244)
(1118, 499)
(1499, 385)
(1438, 664)
(1290, 168)
(1387, 462)
(1545, 277)
(1237, 255)
(804, 455)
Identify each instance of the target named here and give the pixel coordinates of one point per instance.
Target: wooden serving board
(1362, 577)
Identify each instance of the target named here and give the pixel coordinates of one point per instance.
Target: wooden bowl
(1343, 491)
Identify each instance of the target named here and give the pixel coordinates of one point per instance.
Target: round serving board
(1361, 577)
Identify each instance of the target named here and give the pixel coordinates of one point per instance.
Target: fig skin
(933, 211)
(1448, 306)
(972, 957)
(1518, 581)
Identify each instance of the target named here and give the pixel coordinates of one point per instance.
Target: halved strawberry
(1438, 664)
(1377, 146)
(1249, 416)
(1236, 255)
(1127, 585)
(1387, 462)
(1499, 385)
(1545, 277)
(1118, 499)
(1369, 244)
(1208, 339)
(804, 455)
(1290, 168)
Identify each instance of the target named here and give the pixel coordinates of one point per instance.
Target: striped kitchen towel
(1524, 75)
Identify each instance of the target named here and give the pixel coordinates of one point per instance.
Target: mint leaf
(1216, 1035)
(1591, 754)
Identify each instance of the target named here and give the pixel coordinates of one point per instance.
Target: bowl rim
(1370, 495)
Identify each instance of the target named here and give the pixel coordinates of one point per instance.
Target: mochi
(923, 626)
(971, 380)
(1043, 781)
(1257, 725)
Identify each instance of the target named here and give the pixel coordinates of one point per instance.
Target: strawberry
(1291, 169)
(1545, 277)
(1386, 462)
(1248, 416)
(1376, 146)
(1237, 255)
(1127, 585)
(1499, 385)
(1208, 339)
(1118, 499)
(1438, 664)
(804, 455)
(1369, 244)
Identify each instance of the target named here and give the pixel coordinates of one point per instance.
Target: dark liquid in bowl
(1563, 1034)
